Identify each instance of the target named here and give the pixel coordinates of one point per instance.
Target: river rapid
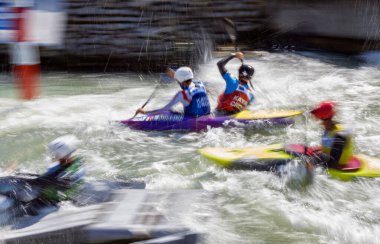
(242, 206)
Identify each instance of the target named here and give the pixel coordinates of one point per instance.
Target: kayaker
(238, 94)
(63, 178)
(337, 143)
(193, 95)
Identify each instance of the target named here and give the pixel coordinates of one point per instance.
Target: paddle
(305, 115)
(250, 82)
(10, 168)
(230, 27)
(147, 101)
(170, 73)
(232, 32)
(306, 140)
(27, 174)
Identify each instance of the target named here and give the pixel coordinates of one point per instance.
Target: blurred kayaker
(238, 94)
(63, 178)
(193, 95)
(337, 142)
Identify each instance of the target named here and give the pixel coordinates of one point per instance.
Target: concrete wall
(147, 34)
(142, 33)
(352, 22)
(333, 18)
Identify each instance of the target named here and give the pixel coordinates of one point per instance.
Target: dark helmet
(246, 71)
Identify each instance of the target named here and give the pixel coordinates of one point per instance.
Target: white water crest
(246, 206)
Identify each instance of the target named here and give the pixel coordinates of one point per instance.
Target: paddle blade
(10, 168)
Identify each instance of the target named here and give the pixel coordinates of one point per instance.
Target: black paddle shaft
(250, 82)
(147, 101)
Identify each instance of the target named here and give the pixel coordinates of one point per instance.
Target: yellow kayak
(370, 168)
(266, 114)
(268, 158)
(265, 158)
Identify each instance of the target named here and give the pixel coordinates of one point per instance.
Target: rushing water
(244, 207)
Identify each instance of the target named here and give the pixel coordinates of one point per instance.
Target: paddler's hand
(239, 55)
(170, 72)
(310, 167)
(140, 111)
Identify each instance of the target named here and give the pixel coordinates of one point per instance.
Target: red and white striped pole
(25, 58)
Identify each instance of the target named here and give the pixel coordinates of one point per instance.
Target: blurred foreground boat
(106, 212)
(18, 191)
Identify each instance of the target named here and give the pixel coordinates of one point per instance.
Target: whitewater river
(243, 207)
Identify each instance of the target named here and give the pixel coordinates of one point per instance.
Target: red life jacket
(234, 102)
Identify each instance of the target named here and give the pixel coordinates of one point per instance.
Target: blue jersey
(197, 98)
(194, 99)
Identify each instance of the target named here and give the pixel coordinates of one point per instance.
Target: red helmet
(325, 110)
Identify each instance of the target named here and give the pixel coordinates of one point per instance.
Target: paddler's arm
(331, 160)
(336, 150)
(49, 177)
(170, 73)
(176, 99)
(222, 63)
(231, 82)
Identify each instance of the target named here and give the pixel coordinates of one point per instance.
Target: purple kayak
(167, 121)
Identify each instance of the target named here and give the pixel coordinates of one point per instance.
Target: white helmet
(183, 74)
(63, 146)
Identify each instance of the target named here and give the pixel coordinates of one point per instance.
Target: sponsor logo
(160, 117)
(202, 102)
(239, 103)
